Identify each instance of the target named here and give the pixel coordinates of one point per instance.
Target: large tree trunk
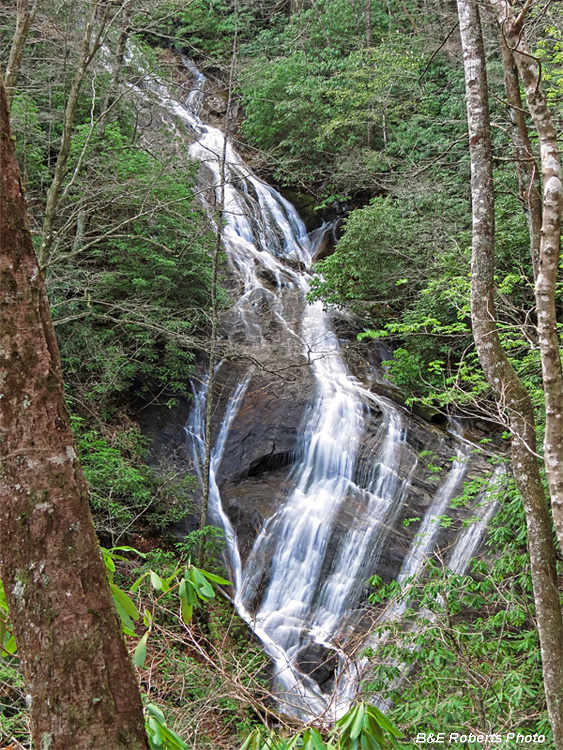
(511, 394)
(83, 689)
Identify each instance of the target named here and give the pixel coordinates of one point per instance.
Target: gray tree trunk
(24, 20)
(549, 250)
(511, 395)
(526, 166)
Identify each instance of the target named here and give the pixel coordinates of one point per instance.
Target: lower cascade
(316, 474)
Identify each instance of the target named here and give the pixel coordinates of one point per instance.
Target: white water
(315, 580)
(425, 538)
(469, 540)
(195, 431)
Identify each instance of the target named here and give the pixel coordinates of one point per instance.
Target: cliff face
(264, 447)
(260, 471)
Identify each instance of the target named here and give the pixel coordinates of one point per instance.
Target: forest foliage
(367, 117)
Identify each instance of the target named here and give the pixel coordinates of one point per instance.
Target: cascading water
(470, 539)
(302, 582)
(195, 430)
(426, 535)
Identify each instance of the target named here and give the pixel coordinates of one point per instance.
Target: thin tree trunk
(81, 221)
(24, 21)
(510, 391)
(210, 402)
(526, 166)
(116, 71)
(91, 43)
(83, 689)
(367, 21)
(549, 250)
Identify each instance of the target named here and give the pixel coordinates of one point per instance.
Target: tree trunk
(91, 43)
(549, 250)
(367, 21)
(118, 61)
(526, 167)
(83, 689)
(511, 394)
(24, 20)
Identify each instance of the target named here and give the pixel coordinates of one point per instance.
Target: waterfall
(424, 540)
(195, 431)
(470, 539)
(302, 585)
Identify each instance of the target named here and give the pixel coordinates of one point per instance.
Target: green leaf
(156, 581)
(147, 618)
(191, 591)
(10, 647)
(374, 730)
(345, 721)
(108, 561)
(316, 740)
(156, 738)
(154, 710)
(126, 622)
(205, 589)
(135, 587)
(127, 605)
(173, 741)
(214, 578)
(141, 651)
(383, 721)
(187, 610)
(358, 724)
(292, 743)
(125, 548)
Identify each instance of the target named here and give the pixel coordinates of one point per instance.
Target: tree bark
(526, 166)
(367, 21)
(24, 20)
(80, 679)
(549, 251)
(91, 43)
(117, 68)
(510, 392)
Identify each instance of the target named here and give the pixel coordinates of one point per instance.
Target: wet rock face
(263, 447)
(257, 474)
(318, 662)
(264, 435)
